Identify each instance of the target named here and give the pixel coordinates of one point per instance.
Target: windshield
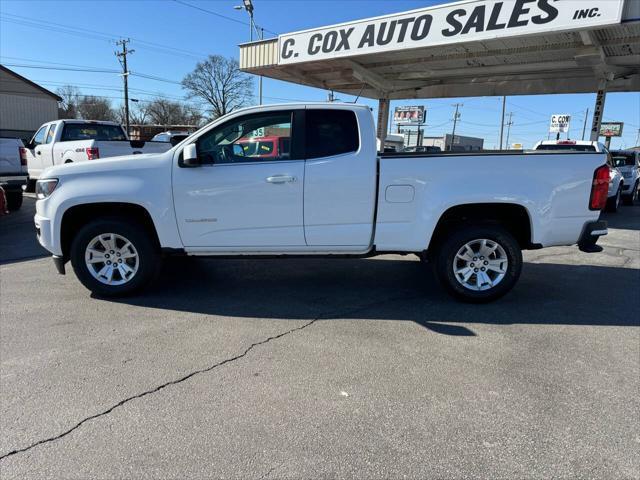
(567, 146)
(621, 159)
(92, 131)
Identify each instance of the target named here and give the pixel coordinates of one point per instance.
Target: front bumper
(590, 234)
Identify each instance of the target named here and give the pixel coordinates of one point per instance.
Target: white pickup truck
(70, 141)
(13, 171)
(306, 179)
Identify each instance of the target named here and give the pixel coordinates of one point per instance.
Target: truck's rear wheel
(478, 263)
(113, 258)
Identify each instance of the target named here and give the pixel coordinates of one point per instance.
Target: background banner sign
(559, 123)
(457, 22)
(409, 115)
(611, 129)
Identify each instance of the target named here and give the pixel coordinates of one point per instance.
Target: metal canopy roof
(563, 60)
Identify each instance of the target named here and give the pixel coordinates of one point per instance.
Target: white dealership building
(464, 49)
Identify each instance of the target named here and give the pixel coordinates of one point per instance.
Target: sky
(169, 37)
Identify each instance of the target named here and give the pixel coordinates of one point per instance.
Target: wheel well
(68, 161)
(514, 218)
(78, 216)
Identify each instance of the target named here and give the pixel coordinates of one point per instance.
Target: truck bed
(417, 189)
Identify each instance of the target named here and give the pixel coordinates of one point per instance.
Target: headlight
(44, 188)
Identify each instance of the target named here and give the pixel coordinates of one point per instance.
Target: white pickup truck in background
(71, 141)
(317, 187)
(13, 171)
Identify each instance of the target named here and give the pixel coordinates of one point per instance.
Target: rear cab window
(331, 132)
(567, 147)
(92, 131)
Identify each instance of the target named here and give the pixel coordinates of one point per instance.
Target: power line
(231, 19)
(93, 34)
(69, 69)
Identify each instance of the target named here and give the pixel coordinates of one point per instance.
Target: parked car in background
(423, 149)
(627, 162)
(616, 180)
(266, 147)
(72, 141)
(13, 171)
(173, 137)
(326, 193)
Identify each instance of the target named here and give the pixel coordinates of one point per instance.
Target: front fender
(151, 192)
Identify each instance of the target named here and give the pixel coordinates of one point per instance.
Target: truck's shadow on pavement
(383, 289)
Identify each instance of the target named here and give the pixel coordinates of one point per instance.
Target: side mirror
(190, 156)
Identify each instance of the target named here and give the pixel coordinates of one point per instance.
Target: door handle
(281, 179)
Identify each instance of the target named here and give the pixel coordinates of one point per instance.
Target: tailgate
(10, 157)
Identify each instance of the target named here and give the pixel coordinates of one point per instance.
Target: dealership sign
(611, 129)
(559, 123)
(465, 21)
(409, 115)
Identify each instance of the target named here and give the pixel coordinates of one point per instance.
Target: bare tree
(137, 114)
(95, 108)
(219, 82)
(68, 107)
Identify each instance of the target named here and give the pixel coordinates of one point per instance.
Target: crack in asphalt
(193, 374)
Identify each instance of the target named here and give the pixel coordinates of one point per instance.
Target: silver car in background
(627, 162)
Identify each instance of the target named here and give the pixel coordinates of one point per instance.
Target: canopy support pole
(598, 110)
(383, 121)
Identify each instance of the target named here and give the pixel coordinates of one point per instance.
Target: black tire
(448, 248)
(148, 256)
(613, 203)
(14, 200)
(632, 197)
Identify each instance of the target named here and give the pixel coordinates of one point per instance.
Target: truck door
(242, 195)
(46, 149)
(340, 178)
(35, 162)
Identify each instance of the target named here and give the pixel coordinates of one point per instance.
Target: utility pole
(122, 58)
(504, 104)
(509, 129)
(456, 116)
(584, 127)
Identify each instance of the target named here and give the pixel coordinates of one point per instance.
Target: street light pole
(248, 6)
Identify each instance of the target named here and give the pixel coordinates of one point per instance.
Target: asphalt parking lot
(322, 368)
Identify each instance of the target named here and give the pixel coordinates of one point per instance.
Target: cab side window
(51, 134)
(263, 137)
(38, 138)
(331, 132)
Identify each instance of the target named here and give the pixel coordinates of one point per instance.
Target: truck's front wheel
(112, 257)
(479, 263)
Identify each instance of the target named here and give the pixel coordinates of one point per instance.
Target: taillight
(599, 188)
(93, 153)
(23, 156)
